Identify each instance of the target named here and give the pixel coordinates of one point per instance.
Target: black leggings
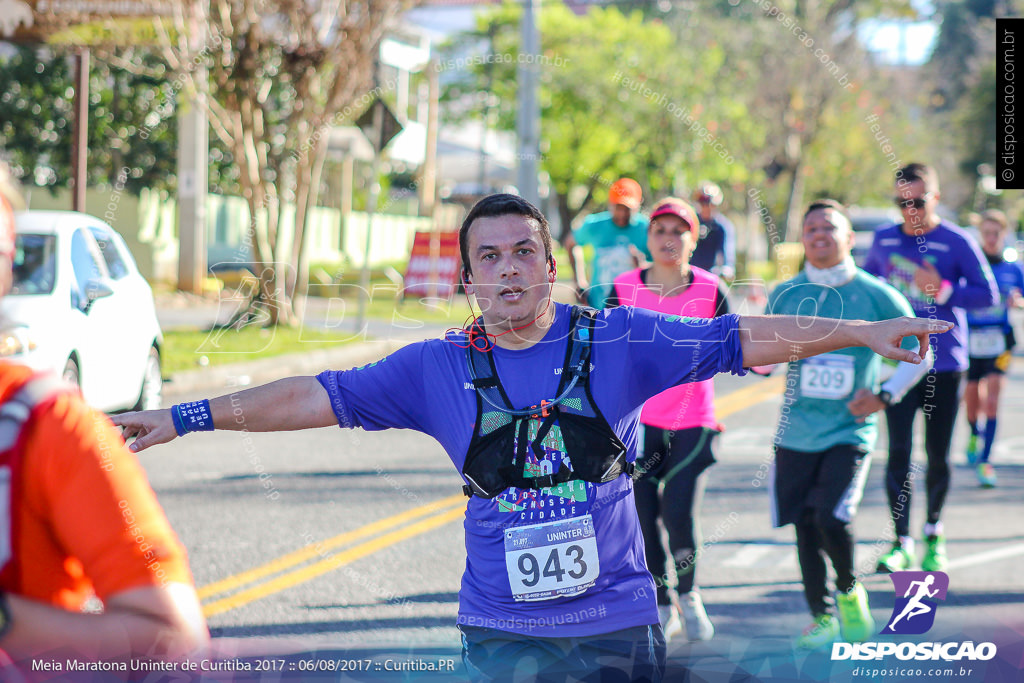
(938, 395)
(811, 489)
(672, 462)
(819, 531)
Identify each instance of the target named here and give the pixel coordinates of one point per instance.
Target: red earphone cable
(490, 340)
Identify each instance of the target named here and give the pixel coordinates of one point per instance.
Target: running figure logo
(914, 613)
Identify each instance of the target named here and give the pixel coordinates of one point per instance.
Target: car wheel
(151, 395)
(71, 374)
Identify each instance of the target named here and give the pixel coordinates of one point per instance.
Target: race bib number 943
(552, 560)
(829, 376)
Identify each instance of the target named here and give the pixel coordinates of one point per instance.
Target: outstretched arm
(780, 338)
(284, 405)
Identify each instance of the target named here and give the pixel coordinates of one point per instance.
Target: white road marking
(987, 556)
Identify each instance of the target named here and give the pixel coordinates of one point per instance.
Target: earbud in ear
(552, 269)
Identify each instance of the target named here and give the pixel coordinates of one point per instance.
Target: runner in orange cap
(617, 238)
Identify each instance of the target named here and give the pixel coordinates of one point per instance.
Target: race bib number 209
(829, 376)
(553, 559)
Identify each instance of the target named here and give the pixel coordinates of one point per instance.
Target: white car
(79, 307)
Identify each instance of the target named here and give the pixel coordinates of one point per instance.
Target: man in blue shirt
(990, 343)
(941, 271)
(716, 245)
(555, 582)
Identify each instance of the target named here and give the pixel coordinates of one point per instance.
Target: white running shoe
(670, 623)
(698, 626)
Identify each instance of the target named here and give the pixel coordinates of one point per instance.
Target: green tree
(959, 78)
(132, 135)
(275, 76)
(799, 68)
(618, 97)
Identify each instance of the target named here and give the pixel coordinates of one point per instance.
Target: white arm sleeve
(907, 375)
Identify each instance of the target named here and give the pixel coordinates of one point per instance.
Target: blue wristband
(176, 419)
(195, 416)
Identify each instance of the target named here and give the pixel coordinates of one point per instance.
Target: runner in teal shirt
(617, 238)
(815, 414)
(827, 428)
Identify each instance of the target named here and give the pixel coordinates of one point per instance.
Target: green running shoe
(855, 619)
(935, 559)
(986, 475)
(822, 632)
(972, 449)
(896, 560)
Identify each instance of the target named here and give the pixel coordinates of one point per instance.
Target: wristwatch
(885, 397)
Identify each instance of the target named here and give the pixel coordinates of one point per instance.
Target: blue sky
(883, 38)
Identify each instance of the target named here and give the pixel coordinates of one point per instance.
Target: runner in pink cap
(679, 424)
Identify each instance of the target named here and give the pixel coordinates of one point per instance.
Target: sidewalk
(377, 339)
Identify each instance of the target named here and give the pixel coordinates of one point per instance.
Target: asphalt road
(346, 543)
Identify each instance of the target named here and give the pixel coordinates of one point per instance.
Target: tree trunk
(279, 304)
(794, 203)
(306, 196)
(565, 216)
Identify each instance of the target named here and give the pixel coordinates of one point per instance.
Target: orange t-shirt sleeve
(99, 502)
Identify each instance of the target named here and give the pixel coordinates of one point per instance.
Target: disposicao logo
(917, 598)
(914, 613)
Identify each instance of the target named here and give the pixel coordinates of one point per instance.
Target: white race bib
(829, 376)
(986, 342)
(553, 559)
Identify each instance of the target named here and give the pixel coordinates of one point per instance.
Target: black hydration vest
(597, 455)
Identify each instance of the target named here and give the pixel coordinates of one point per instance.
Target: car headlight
(15, 341)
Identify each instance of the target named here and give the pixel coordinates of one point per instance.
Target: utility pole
(193, 179)
(80, 142)
(528, 115)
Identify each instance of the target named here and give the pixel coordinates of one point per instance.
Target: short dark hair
(922, 172)
(826, 203)
(496, 205)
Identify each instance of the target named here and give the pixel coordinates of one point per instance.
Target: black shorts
(829, 481)
(980, 368)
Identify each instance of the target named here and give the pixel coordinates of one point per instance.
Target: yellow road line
(725, 405)
(314, 549)
(312, 571)
(741, 399)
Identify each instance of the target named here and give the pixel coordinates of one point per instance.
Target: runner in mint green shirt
(815, 414)
(617, 240)
(827, 428)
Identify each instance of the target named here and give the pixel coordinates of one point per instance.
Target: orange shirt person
(77, 519)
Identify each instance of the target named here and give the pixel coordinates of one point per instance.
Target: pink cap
(673, 206)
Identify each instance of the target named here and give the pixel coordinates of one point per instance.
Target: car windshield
(35, 264)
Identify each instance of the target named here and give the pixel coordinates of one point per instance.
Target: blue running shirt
(635, 355)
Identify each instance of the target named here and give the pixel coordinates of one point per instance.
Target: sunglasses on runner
(915, 203)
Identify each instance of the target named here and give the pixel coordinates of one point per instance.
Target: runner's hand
(884, 337)
(927, 279)
(864, 403)
(149, 427)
